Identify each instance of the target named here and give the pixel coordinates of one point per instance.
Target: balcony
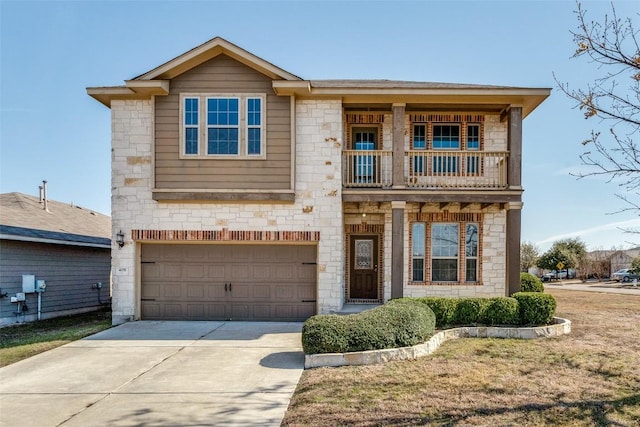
(457, 170)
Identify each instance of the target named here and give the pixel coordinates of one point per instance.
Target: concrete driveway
(154, 373)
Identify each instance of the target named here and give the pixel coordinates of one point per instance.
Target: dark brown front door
(363, 266)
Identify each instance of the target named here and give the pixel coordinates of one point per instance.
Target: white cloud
(619, 225)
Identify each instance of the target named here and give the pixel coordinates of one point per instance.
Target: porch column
(512, 276)
(514, 145)
(397, 249)
(398, 145)
(514, 209)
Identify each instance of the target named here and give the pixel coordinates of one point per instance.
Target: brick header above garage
(225, 235)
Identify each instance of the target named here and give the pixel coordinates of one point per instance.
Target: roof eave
(134, 89)
(528, 98)
(4, 236)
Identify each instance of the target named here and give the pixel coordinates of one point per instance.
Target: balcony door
(363, 267)
(365, 139)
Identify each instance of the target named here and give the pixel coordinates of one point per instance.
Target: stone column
(514, 215)
(397, 249)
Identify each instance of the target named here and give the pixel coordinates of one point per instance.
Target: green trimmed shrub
(395, 324)
(530, 283)
(535, 308)
(443, 308)
(411, 326)
(470, 310)
(325, 334)
(501, 311)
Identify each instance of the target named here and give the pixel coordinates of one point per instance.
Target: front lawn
(25, 340)
(590, 377)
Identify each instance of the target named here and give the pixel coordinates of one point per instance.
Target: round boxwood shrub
(530, 283)
(395, 324)
(411, 326)
(327, 333)
(443, 307)
(501, 311)
(535, 308)
(470, 311)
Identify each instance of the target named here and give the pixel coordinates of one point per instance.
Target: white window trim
(208, 126)
(184, 127)
(261, 126)
(243, 127)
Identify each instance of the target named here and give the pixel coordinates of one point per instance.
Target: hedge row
(409, 321)
(395, 324)
(523, 309)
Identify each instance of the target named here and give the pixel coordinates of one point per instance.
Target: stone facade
(318, 207)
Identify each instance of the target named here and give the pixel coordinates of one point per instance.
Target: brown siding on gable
(222, 75)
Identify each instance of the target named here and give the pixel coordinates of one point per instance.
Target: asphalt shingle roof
(24, 215)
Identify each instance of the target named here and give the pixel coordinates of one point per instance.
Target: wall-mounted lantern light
(120, 238)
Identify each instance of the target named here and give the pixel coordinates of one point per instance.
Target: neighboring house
(246, 192)
(602, 263)
(66, 246)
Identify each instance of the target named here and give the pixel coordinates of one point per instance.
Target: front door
(363, 267)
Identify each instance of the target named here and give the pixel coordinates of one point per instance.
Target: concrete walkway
(154, 373)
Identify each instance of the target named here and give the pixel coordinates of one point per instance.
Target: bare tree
(529, 254)
(611, 45)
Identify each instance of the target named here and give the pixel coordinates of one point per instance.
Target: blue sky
(51, 51)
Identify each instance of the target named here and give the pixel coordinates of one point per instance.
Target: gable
(220, 76)
(209, 50)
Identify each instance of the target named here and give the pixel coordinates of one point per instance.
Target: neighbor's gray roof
(23, 217)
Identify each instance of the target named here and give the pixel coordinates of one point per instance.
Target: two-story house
(245, 192)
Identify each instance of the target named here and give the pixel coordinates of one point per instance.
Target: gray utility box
(28, 283)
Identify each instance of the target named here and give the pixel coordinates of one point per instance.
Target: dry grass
(591, 377)
(25, 340)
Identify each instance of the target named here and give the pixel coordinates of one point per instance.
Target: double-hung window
(191, 126)
(449, 256)
(444, 252)
(223, 126)
(418, 242)
(471, 252)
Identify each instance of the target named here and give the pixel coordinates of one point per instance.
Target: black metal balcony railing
(427, 169)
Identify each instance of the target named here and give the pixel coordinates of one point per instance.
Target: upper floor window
(473, 137)
(223, 125)
(446, 137)
(233, 126)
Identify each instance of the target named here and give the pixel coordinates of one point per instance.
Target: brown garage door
(228, 282)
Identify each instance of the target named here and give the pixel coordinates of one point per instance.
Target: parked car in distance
(624, 275)
(557, 275)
